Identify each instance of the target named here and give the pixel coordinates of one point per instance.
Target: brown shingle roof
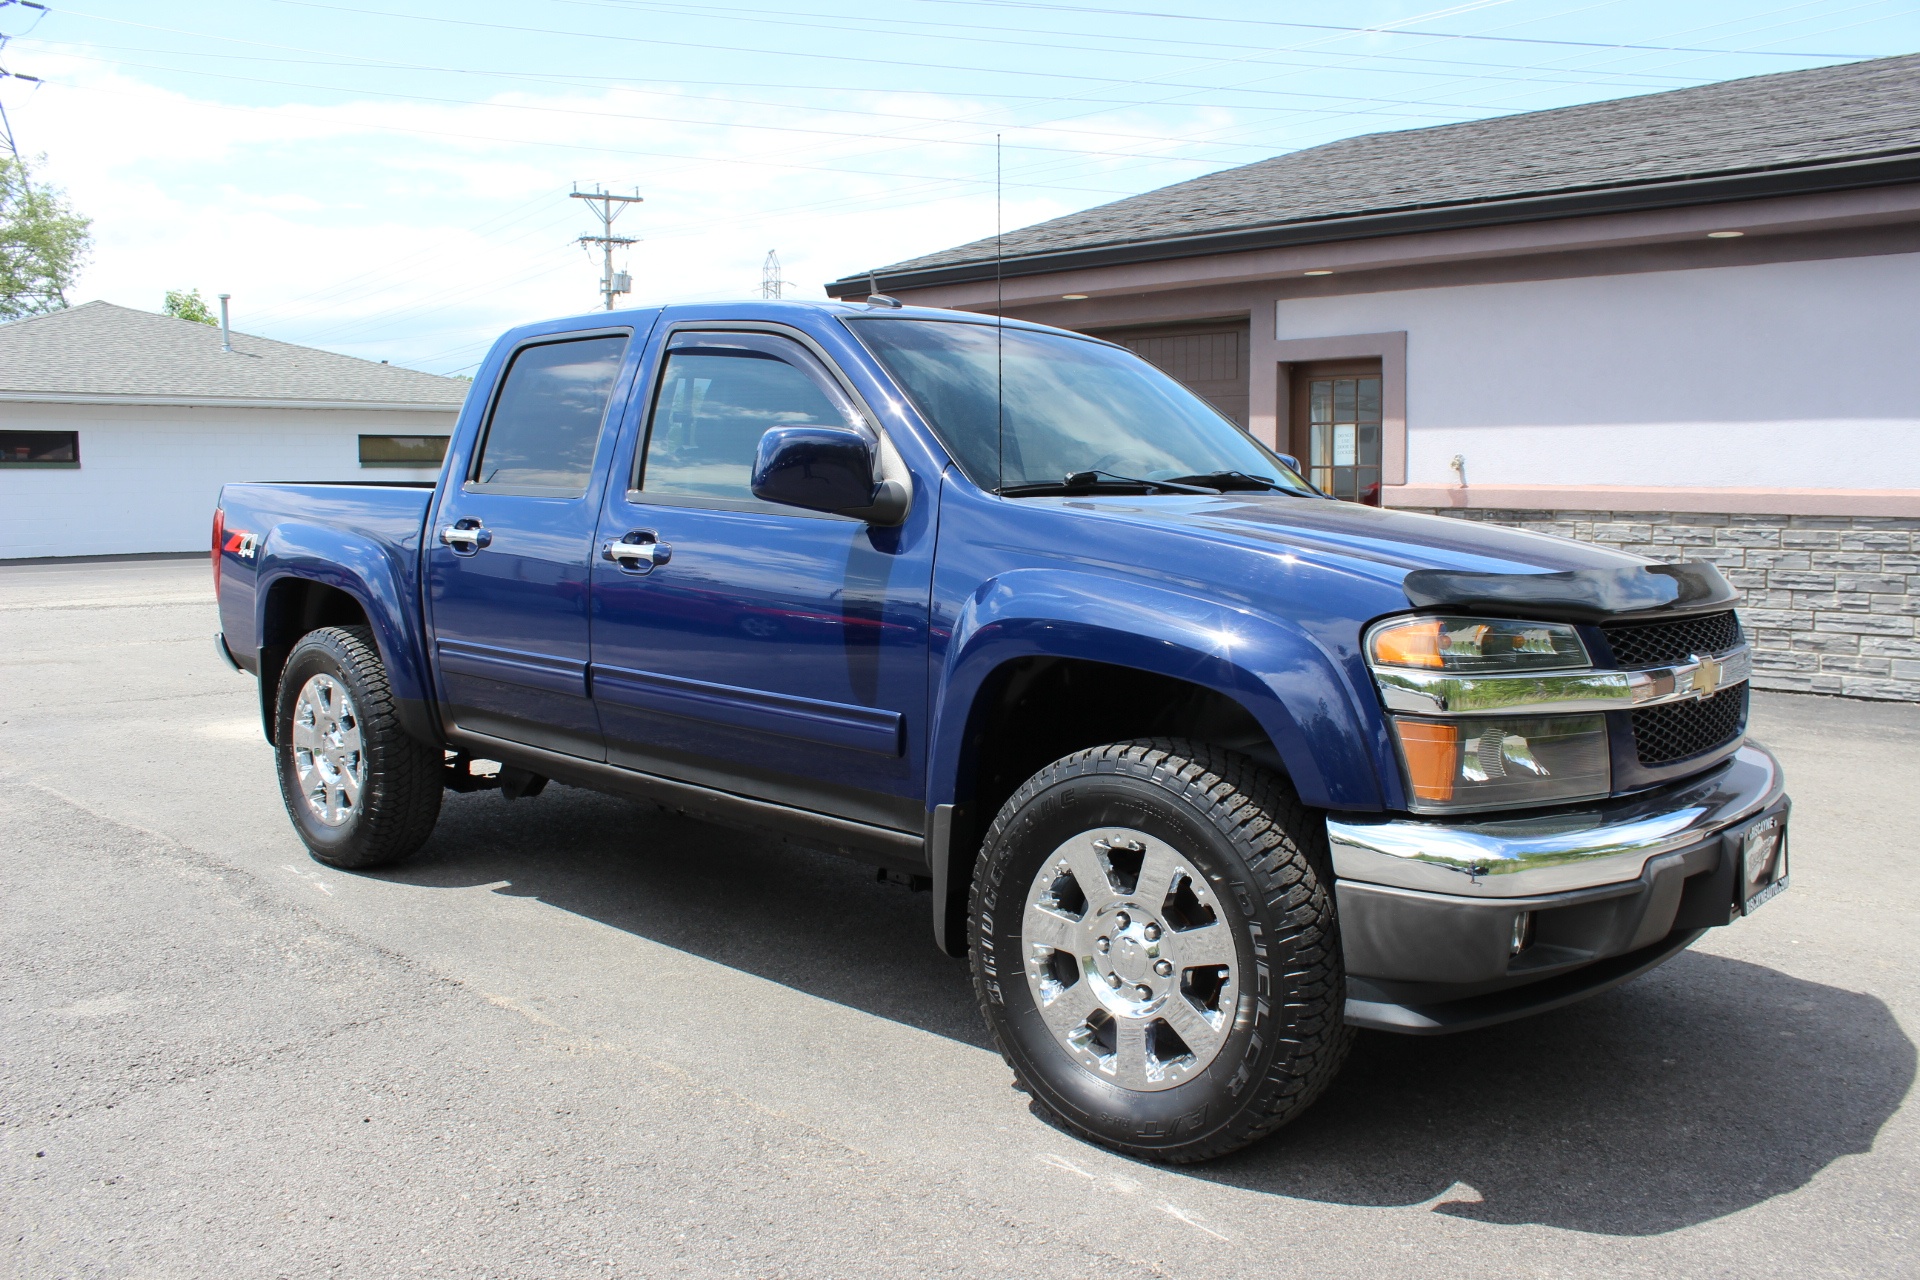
(1774, 123)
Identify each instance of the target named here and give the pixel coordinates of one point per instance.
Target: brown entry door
(1336, 428)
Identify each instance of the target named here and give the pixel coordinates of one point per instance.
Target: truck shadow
(810, 920)
(1696, 1091)
(1703, 1088)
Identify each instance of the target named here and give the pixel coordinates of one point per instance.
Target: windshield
(1071, 407)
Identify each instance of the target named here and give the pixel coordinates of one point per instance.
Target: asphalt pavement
(579, 1037)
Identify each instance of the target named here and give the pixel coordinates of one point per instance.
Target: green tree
(43, 243)
(189, 306)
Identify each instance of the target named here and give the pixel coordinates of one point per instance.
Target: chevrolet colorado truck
(1202, 768)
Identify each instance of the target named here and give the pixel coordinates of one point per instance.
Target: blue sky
(389, 178)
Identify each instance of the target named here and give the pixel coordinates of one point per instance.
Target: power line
(786, 17)
(1638, 81)
(777, 128)
(606, 206)
(1397, 31)
(780, 53)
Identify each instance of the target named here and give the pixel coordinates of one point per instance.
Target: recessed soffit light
(1319, 271)
(1073, 297)
(1725, 235)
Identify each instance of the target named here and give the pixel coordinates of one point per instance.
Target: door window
(718, 395)
(546, 423)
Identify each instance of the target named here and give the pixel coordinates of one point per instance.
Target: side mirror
(1293, 463)
(826, 469)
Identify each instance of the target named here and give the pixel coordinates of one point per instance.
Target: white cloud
(415, 231)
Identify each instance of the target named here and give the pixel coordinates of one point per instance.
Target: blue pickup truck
(1201, 769)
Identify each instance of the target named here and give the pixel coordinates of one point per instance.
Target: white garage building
(118, 427)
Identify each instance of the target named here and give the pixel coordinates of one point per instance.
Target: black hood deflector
(1577, 595)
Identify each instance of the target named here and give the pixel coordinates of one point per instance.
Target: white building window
(402, 451)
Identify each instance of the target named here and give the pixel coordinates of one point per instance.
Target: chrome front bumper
(1451, 926)
(1602, 844)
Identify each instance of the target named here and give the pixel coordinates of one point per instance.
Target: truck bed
(315, 523)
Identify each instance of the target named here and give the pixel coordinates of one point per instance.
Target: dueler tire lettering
(1265, 866)
(399, 797)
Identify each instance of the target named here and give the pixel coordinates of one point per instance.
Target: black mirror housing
(826, 469)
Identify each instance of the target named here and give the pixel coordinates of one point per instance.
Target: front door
(1336, 412)
(759, 649)
(507, 576)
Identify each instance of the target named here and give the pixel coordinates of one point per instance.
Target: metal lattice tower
(606, 206)
(770, 282)
(6, 126)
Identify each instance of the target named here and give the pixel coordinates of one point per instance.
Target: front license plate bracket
(1759, 852)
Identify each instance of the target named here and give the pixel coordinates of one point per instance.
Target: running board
(902, 850)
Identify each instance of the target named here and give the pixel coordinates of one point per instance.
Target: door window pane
(1343, 437)
(546, 424)
(714, 405)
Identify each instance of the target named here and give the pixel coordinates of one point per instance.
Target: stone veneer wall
(1831, 603)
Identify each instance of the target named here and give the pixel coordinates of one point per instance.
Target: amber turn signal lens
(1410, 644)
(1431, 751)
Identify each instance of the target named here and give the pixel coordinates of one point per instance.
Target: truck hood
(1381, 544)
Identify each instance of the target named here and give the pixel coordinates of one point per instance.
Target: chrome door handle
(640, 551)
(466, 535)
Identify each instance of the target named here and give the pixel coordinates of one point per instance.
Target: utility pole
(606, 206)
(770, 282)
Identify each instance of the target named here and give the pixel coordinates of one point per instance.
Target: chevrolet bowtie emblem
(1706, 680)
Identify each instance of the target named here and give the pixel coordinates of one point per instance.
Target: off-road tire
(1265, 859)
(400, 800)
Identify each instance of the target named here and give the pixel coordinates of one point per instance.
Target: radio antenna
(999, 324)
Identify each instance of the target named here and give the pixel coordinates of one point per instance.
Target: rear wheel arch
(294, 606)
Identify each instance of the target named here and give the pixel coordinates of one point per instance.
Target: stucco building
(1684, 323)
(118, 427)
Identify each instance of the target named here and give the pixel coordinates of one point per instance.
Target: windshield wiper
(1225, 480)
(1088, 481)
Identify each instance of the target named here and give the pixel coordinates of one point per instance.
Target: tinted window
(40, 448)
(1018, 407)
(546, 423)
(715, 404)
(402, 451)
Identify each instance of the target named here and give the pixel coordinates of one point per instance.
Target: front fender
(1291, 686)
(376, 574)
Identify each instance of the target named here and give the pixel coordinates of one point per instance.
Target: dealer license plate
(1762, 873)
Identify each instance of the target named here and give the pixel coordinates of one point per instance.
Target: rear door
(773, 652)
(507, 576)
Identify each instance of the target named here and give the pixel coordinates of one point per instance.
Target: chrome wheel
(1130, 959)
(329, 753)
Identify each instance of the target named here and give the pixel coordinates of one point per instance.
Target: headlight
(1489, 756)
(1477, 645)
(1494, 762)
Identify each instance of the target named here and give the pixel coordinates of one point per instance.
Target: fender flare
(372, 574)
(1292, 687)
